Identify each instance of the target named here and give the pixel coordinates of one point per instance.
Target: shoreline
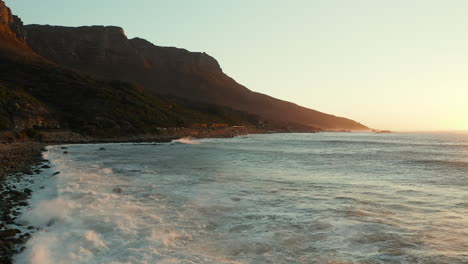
(18, 162)
(27, 162)
(21, 161)
(163, 135)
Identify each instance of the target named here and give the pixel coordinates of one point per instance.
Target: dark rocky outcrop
(108, 46)
(106, 52)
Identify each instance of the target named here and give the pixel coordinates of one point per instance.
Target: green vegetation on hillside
(18, 104)
(99, 108)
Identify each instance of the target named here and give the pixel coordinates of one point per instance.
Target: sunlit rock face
(7, 21)
(10, 22)
(12, 33)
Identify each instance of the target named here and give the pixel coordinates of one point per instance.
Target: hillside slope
(37, 93)
(106, 52)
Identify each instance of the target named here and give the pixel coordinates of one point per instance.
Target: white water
(187, 140)
(327, 198)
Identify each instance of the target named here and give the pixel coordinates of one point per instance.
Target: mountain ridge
(106, 52)
(40, 94)
(12, 37)
(95, 81)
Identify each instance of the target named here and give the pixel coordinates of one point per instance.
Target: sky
(390, 64)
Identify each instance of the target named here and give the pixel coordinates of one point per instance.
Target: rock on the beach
(9, 233)
(17, 160)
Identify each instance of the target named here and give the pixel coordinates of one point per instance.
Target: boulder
(9, 233)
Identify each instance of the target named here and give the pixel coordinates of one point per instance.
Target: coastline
(17, 161)
(163, 135)
(87, 151)
(21, 161)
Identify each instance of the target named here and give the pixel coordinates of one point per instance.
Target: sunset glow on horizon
(396, 65)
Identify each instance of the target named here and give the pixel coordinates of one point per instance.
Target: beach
(21, 162)
(17, 160)
(276, 198)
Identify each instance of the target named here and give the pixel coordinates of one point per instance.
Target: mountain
(107, 53)
(12, 39)
(38, 93)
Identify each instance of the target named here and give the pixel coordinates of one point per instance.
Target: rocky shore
(163, 135)
(18, 157)
(18, 161)
(21, 161)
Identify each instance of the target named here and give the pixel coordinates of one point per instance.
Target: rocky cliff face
(18, 110)
(34, 92)
(12, 34)
(106, 52)
(8, 22)
(99, 45)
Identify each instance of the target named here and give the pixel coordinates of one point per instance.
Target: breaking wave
(187, 140)
(240, 201)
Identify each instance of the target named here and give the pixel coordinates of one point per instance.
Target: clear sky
(390, 64)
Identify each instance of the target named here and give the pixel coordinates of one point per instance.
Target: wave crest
(187, 140)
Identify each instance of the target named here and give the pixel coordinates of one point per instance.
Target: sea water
(278, 198)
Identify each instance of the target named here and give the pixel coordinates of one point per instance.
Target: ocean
(277, 198)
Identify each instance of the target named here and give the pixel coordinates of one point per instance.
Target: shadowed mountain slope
(35, 92)
(106, 52)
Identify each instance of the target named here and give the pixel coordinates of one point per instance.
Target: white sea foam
(86, 221)
(187, 140)
(263, 199)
